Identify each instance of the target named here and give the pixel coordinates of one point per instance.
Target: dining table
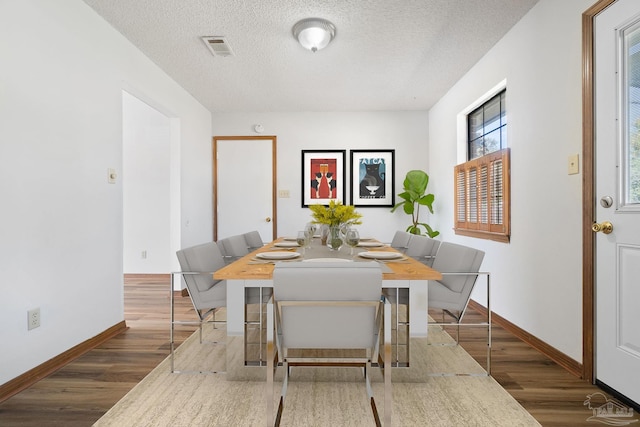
(255, 270)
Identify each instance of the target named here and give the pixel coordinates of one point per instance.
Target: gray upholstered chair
(327, 306)
(460, 268)
(233, 247)
(198, 263)
(400, 241)
(423, 249)
(254, 240)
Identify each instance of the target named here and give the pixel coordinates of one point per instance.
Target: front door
(617, 192)
(244, 186)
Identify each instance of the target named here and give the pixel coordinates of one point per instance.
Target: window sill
(497, 237)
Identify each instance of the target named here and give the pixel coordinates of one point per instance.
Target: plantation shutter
(482, 197)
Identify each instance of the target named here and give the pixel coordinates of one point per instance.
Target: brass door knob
(267, 219)
(606, 227)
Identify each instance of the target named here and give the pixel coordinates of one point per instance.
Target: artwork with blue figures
(372, 172)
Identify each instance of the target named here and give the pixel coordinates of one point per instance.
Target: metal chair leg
(202, 319)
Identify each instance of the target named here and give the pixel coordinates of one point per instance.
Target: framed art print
(372, 178)
(323, 176)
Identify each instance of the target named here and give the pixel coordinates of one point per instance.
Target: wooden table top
(248, 268)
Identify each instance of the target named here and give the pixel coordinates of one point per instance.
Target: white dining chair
(328, 306)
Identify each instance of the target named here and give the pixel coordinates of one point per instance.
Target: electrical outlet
(33, 318)
(143, 255)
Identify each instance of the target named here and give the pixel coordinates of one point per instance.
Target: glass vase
(334, 241)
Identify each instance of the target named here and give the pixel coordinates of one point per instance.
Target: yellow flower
(335, 214)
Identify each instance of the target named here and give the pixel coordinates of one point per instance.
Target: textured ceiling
(388, 55)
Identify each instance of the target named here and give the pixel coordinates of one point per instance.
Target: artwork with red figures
(324, 176)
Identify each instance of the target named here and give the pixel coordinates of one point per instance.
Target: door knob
(267, 219)
(606, 227)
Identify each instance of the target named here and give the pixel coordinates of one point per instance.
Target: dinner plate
(380, 255)
(370, 244)
(278, 255)
(287, 245)
(327, 260)
(290, 239)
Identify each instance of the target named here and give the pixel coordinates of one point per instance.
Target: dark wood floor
(81, 392)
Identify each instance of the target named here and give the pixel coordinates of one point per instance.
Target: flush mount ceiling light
(314, 33)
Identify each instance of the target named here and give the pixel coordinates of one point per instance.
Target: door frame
(274, 206)
(588, 190)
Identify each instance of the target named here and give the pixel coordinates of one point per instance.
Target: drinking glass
(310, 229)
(302, 239)
(343, 230)
(352, 238)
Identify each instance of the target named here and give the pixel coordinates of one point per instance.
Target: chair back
(423, 249)
(401, 240)
(205, 259)
(233, 247)
(253, 240)
(311, 299)
(454, 258)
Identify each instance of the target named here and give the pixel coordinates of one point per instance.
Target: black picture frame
(324, 176)
(372, 186)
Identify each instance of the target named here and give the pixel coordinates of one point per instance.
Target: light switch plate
(283, 194)
(111, 176)
(574, 164)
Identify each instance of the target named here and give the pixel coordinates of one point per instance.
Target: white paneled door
(244, 186)
(617, 119)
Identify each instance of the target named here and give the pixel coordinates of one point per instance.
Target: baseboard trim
(34, 375)
(572, 366)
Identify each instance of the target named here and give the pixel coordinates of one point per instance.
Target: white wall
(406, 132)
(61, 80)
(146, 188)
(537, 278)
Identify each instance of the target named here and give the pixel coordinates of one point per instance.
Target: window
(630, 151)
(487, 127)
(482, 184)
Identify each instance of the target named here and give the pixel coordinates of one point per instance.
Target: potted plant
(335, 217)
(415, 186)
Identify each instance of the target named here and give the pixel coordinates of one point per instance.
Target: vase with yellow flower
(335, 216)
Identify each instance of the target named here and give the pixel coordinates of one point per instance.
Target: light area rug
(315, 396)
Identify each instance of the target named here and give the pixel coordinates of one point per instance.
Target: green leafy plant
(413, 196)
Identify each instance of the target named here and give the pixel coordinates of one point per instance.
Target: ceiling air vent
(218, 45)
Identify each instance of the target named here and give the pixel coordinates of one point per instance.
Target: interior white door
(244, 182)
(617, 120)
